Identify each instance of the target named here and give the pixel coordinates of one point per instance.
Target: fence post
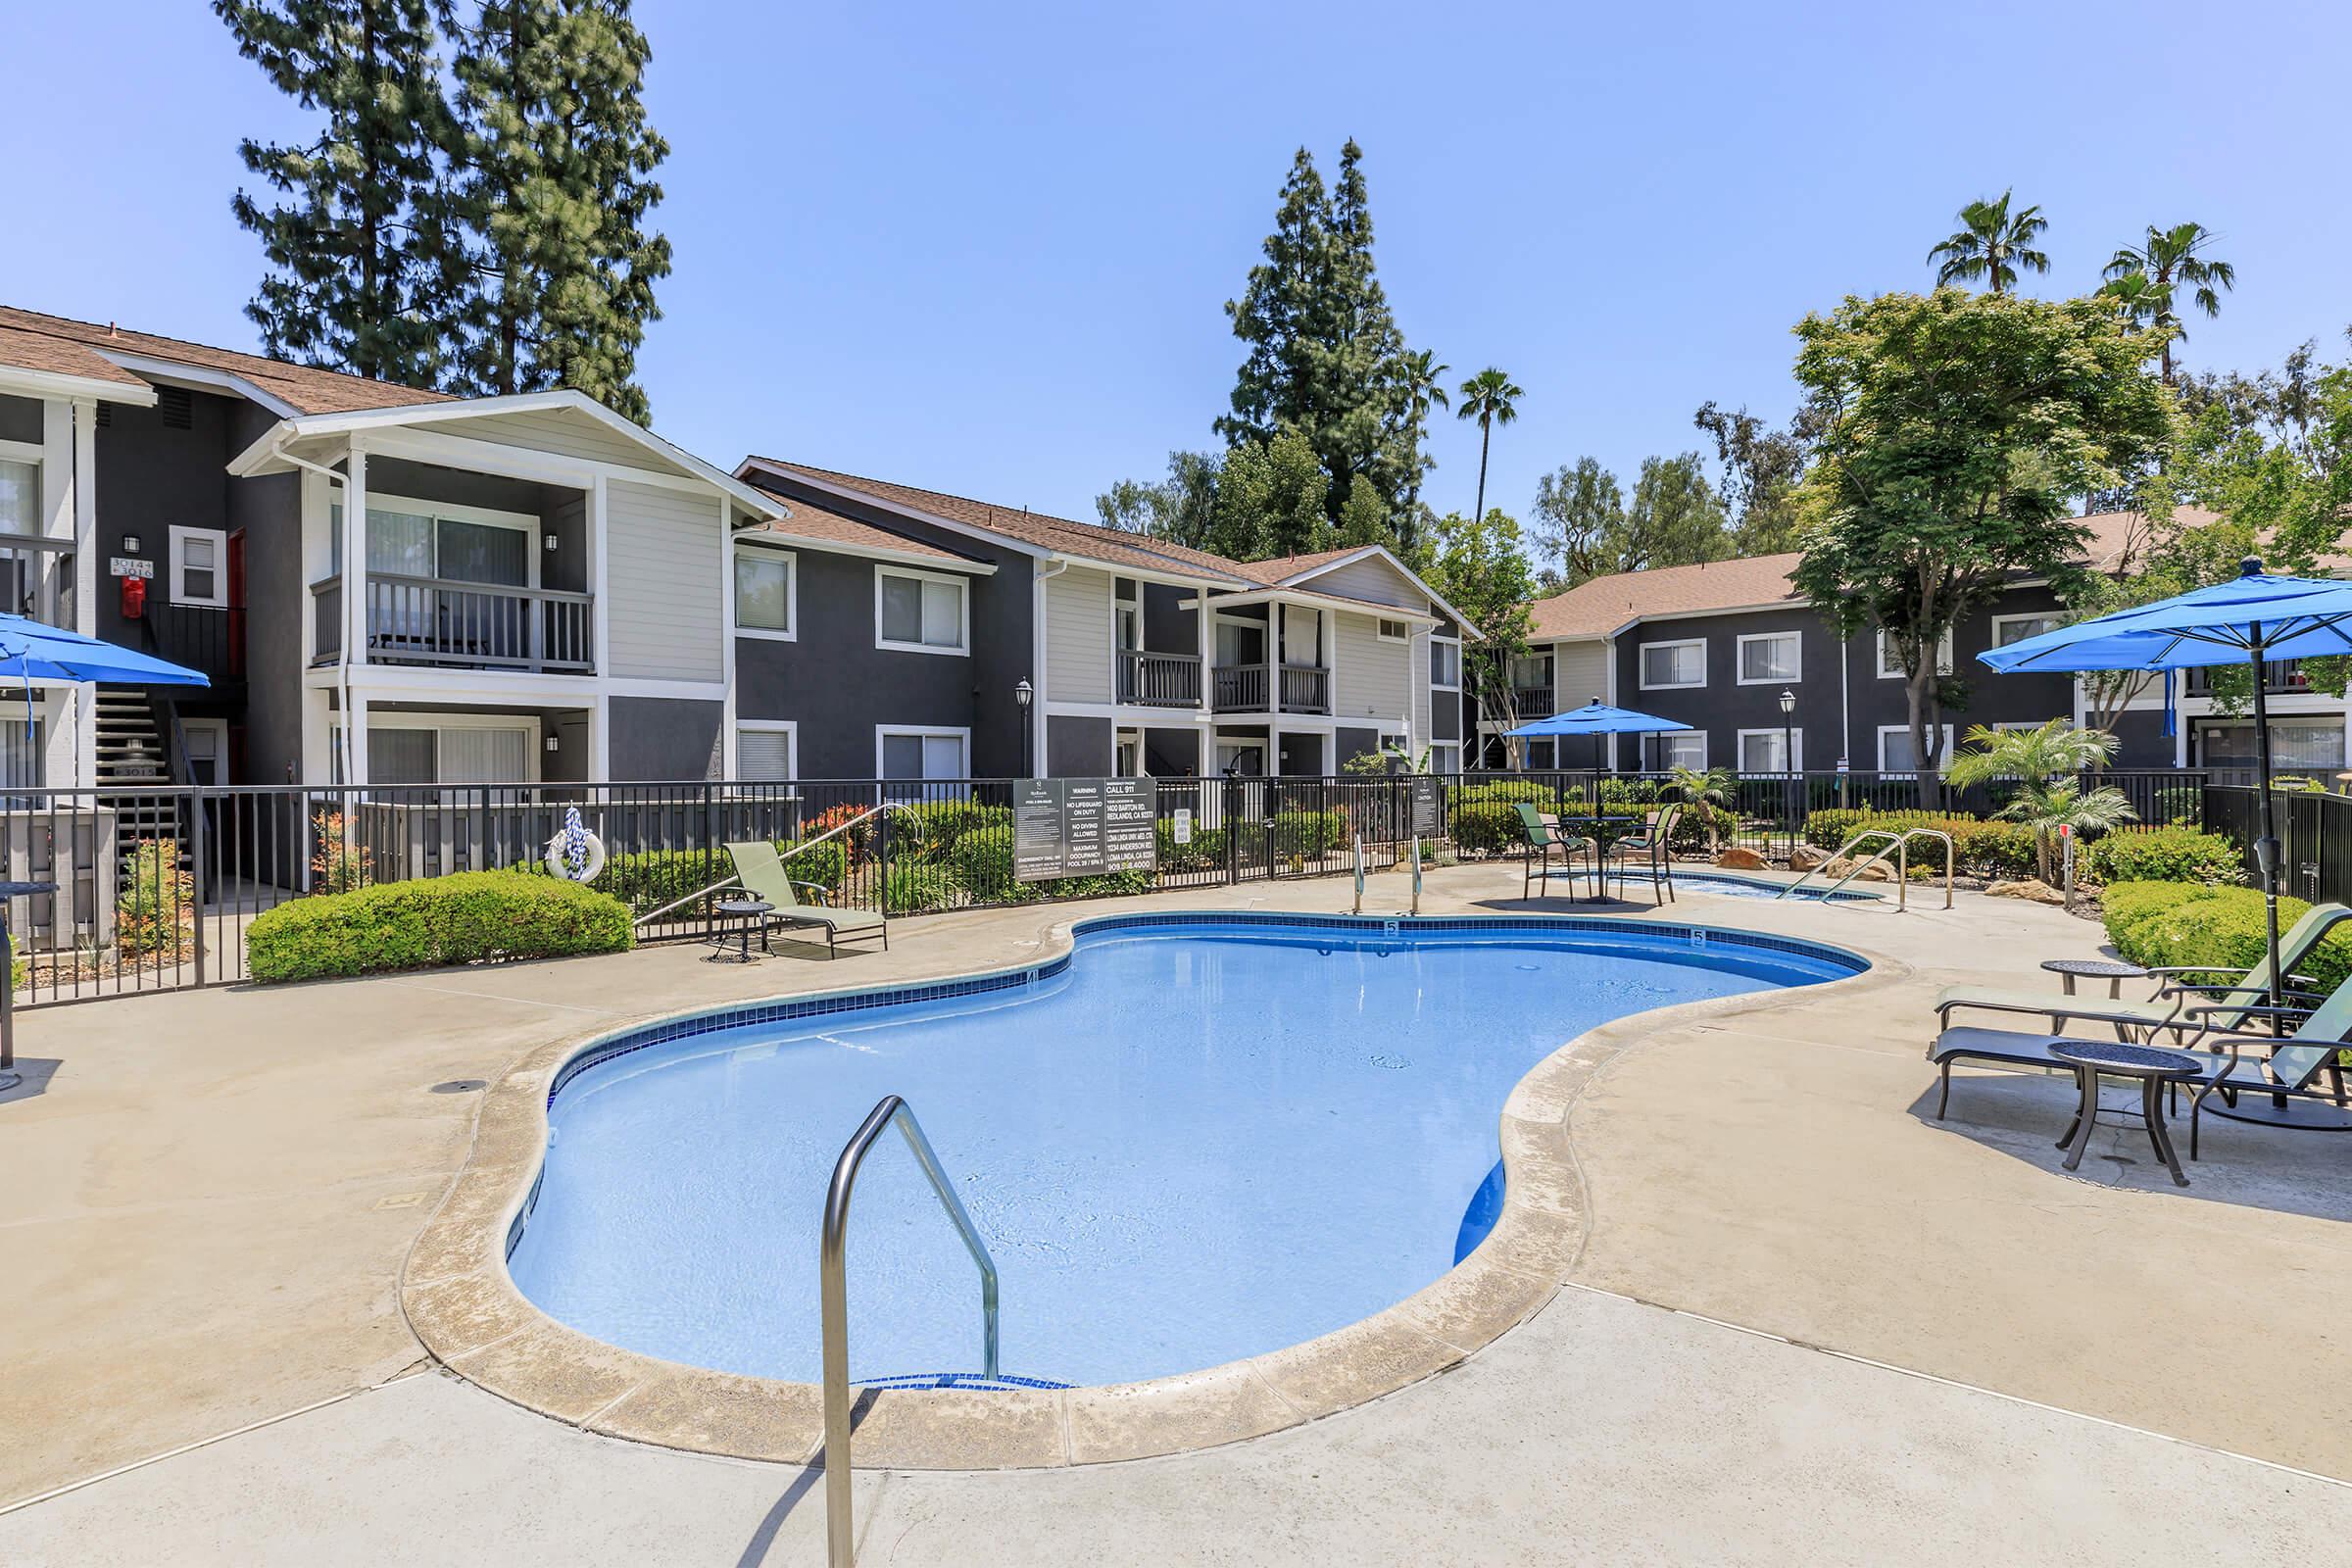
(196, 869)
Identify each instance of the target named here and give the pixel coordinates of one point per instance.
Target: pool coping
(461, 1304)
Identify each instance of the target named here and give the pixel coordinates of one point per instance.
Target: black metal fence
(157, 889)
(2315, 837)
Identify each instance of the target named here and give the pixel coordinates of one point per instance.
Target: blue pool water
(1726, 885)
(1192, 1144)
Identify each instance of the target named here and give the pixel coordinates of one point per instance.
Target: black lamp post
(1024, 694)
(1788, 761)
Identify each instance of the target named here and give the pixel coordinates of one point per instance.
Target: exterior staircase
(131, 756)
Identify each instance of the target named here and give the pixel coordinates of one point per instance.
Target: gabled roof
(810, 524)
(1293, 571)
(289, 388)
(37, 362)
(1608, 605)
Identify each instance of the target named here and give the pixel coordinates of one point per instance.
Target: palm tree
(2169, 258)
(2045, 763)
(1710, 791)
(1991, 244)
(1423, 378)
(1490, 398)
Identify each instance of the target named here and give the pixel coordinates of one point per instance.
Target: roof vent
(178, 406)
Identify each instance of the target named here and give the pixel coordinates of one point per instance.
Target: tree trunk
(1915, 699)
(1486, 434)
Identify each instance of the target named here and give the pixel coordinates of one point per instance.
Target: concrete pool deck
(210, 1197)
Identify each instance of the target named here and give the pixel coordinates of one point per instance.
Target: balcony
(2280, 677)
(1532, 701)
(468, 625)
(1159, 680)
(1245, 688)
(206, 637)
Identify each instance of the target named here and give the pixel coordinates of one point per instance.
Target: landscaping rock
(2029, 890)
(1878, 872)
(1807, 857)
(1736, 859)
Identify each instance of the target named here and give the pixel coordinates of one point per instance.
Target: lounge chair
(761, 872)
(1647, 850)
(2175, 992)
(1543, 836)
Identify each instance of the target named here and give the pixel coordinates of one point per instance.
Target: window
(1895, 755)
(1532, 673)
(1127, 757)
(1444, 757)
(1687, 749)
(2007, 629)
(19, 497)
(763, 752)
(199, 559)
(1890, 668)
(921, 753)
(1445, 663)
(449, 753)
(1241, 758)
(764, 592)
(1770, 659)
(1666, 665)
(1760, 752)
(918, 612)
(1395, 631)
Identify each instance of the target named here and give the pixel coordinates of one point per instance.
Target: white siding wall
(1371, 578)
(666, 612)
(1417, 676)
(1078, 636)
(575, 435)
(1579, 673)
(1374, 679)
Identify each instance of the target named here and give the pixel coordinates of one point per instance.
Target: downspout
(342, 643)
(1036, 717)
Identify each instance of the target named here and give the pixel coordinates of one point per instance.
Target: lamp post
(1024, 694)
(1789, 762)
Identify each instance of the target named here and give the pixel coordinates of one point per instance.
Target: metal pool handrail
(1359, 875)
(833, 1302)
(1416, 873)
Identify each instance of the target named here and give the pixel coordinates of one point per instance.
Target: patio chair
(1647, 850)
(1543, 836)
(761, 872)
(2174, 992)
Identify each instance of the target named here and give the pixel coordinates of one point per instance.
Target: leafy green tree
(2046, 763)
(1675, 518)
(1181, 509)
(1962, 427)
(1579, 521)
(1477, 567)
(1490, 398)
(555, 183)
(1761, 468)
(2147, 277)
(1991, 245)
(365, 252)
(1270, 501)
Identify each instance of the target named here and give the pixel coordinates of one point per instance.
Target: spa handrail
(833, 1302)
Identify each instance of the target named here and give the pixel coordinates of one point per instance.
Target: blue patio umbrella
(31, 653)
(1596, 718)
(2254, 617)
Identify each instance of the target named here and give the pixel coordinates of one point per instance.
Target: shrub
(918, 886)
(155, 911)
(1690, 834)
(827, 865)
(1504, 791)
(336, 865)
(942, 824)
(857, 840)
(468, 917)
(1487, 827)
(1306, 835)
(981, 864)
(2126, 906)
(2165, 855)
(1995, 849)
(2190, 924)
(1206, 853)
(2179, 803)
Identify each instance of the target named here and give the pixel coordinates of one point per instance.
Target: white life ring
(559, 867)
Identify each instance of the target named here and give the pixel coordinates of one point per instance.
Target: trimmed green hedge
(2166, 923)
(2165, 855)
(468, 917)
(1986, 849)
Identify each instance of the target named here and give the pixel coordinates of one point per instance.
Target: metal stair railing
(1899, 846)
(833, 1302)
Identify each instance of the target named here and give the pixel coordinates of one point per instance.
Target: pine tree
(365, 252)
(555, 185)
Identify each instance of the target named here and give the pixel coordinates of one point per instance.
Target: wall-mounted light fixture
(130, 544)
(548, 544)
(554, 745)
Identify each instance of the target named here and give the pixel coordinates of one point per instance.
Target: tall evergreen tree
(555, 163)
(365, 255)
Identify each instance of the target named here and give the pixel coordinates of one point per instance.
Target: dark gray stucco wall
(1170, 628)
(151, 476)
(1077, 748)
(269, 511)
(20, 420)
(835, 684)
(665, 738)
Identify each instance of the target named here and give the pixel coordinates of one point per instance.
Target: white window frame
(1739, 675)
(1905, 730)
(1796, 745)
(1679, 736)
(791, 596)
(1998, 621)
(1446, 756)
(964, 618)
(884, 732)
(1455, 643)
(1642, 665)
(1120, 740)
(535, 745)
(789, 728)
(1944, 656)
(523, 522)
(1402, 634)
(180, 536)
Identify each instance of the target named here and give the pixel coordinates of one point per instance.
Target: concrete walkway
(210, 1198)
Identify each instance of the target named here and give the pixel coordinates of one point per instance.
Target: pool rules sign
(1083, 827)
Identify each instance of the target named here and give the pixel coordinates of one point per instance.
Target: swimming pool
(1730, 885)
(1192, 1140)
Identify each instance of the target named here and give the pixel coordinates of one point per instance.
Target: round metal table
(2153, 1066)
(2115, 973)
(1593, 824)
(747, 913)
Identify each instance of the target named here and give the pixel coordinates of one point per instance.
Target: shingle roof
(1600, 607)
(1280, 568)
(38, 351)
(811, 521)
(304, 389)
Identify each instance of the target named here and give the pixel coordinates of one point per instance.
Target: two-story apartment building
(1717, 645)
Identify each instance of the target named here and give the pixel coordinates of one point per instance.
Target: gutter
(277, 453)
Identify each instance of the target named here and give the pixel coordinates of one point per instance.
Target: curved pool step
(1002, 1382)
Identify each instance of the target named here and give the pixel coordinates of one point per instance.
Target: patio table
(2108, 969)
(2154, 1066)
(1590, 822)
(747, 913)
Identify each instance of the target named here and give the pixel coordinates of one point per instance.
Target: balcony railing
(1159, 680)
(206, 637)
(2280, 677)
(431, 621)
(1532, 701)
(1301, 688)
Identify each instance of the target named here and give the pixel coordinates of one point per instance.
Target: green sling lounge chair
(2178, 989)
(761, 872)
(1542, 837)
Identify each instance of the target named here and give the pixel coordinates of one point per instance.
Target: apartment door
(236, 604)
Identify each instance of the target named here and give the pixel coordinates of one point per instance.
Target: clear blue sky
(984, 249)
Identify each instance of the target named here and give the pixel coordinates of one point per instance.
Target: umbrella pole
(2266, 848)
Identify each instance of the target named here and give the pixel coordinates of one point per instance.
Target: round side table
(2108, 969)
(747, 913)
(2153, 1066)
